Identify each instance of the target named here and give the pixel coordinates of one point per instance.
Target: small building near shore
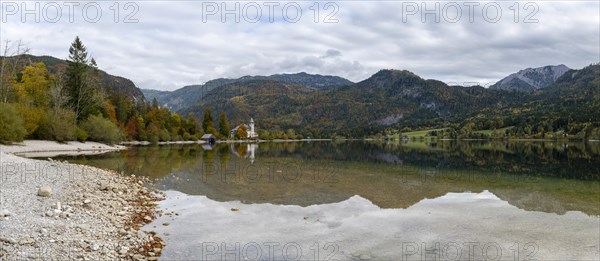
(209, 138)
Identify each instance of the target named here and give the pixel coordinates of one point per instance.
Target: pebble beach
(51, 210)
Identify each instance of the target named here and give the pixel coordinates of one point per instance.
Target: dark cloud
(331, 53)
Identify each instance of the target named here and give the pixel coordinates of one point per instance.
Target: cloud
(331, 53)
(173, 45)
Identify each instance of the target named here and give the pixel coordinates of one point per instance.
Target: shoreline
(44, 148)
(147, 143)
(62, 211)
(273, 140)
(505, 140)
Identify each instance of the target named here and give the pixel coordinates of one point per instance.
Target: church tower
(251, 127)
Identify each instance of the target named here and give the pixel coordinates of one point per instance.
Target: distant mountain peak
(395, 72)
(389, 77)
(532, 78)
(298, 74)
(317, 81)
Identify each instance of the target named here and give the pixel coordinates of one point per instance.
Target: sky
(166, 45)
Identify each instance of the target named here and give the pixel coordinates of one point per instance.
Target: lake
(353, 200)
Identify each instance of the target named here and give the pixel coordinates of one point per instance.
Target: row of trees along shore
(71, 104)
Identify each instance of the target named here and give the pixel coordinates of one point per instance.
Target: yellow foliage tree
(241, 133)
(35, 85)
(110, 110)
(32, 116)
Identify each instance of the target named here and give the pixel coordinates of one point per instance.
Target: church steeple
(252, 133)
(250, 129)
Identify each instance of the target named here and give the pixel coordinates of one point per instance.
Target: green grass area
(422, 134)
(419, 134)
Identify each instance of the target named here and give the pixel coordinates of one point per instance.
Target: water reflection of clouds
(358, 227)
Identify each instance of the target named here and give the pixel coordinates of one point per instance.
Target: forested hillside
(110, 83)
(187, 96)
(392, 101)
(42, 97)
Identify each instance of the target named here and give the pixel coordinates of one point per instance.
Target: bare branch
(8, 68)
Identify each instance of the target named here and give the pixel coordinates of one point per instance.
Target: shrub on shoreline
(58, 125)
(13, 128)
(101, 129)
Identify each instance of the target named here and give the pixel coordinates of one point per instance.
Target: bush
(58, 125)
(81, 134)
(164, 135)
(32, 116)
(102, 130)
(153, 139)
(152, 133)
(143, 136)
(13, 128)
(175, 136)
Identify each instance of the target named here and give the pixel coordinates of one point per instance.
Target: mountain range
(397, 98)
(388, 98)
(320, 106)
(527, 80)
(189, 95)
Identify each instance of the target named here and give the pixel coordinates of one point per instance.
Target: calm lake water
(447, 200)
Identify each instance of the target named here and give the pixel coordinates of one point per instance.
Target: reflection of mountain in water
(358, 227)
(388, 158)
(540, 158)
(386, 189)
(549, 177)
(228, 185)
(534, 201)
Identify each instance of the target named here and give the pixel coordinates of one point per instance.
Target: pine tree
(81, 83)
(223, 125)
(75, 74)
(208, 125)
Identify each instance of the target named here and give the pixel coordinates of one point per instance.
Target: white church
(249, 129)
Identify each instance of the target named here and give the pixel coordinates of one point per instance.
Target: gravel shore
(44, 148)
(53, 210)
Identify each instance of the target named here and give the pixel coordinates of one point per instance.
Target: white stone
(44, 191)
(5, 213)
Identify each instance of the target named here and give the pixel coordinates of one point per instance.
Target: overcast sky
(170, 44)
